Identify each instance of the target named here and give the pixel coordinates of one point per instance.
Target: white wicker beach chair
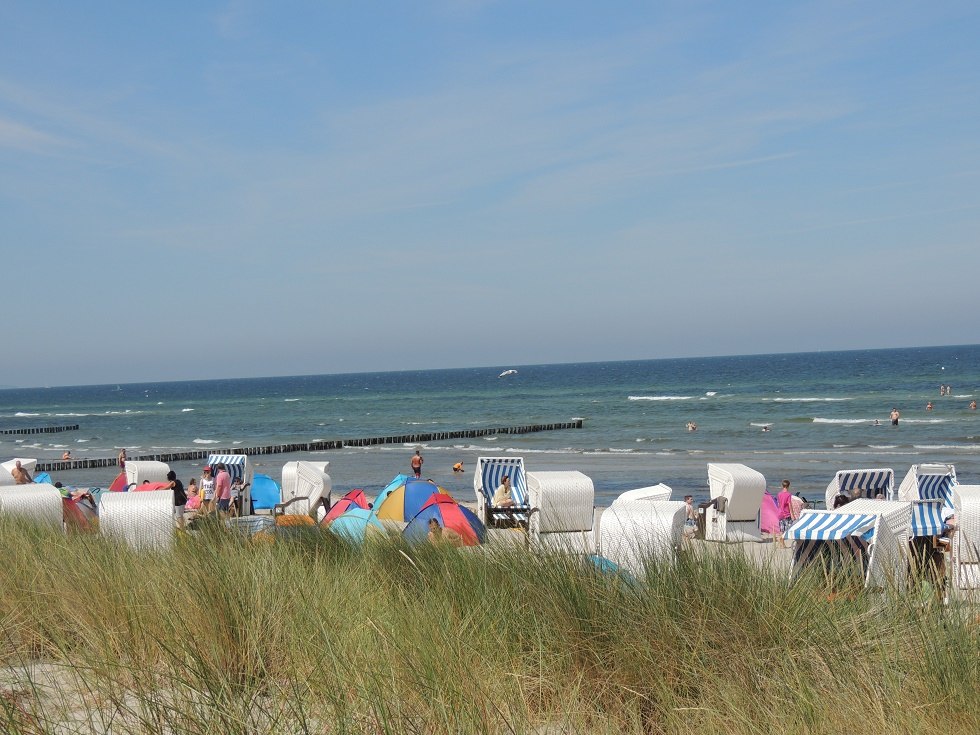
(306, 486)
(37, 502)
(140, 471)
(631, 533)
(736, 495)
(563, 515)
(486, 479)
(930, 489)
(26, 463)
(872, 533)
(966, 541)
(653, 493)
(145, 521)
(861, 483)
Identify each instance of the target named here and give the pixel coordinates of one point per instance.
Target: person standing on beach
(784, 503)
(895, 416)
(222, 489)
(417, 464)
(122, 458)
(207, 490)
(180, 497)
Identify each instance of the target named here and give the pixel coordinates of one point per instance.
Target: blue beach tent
(354, 524)
(265, 492)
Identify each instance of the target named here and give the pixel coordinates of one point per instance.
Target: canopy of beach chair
(355, 524)
(449, 514)
(405, 501)
(353, 499)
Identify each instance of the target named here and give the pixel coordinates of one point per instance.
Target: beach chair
(563, 512)
(653, 493)
(930, 489)
(861, 483)
(867, 538)
(487, 476)
(140, 471)
(632, 532)
(144, 521)
(965, 573)
(37, 503)
(28, 464)
(736, 496)
(306, 488)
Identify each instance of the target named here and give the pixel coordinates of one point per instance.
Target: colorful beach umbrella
(404, 501)
(353, 499)
(354, 524)
(450, 515)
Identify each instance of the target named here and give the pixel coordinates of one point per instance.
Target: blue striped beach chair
(868, 537)
(487, 477)
(862, 484)
(930, 489)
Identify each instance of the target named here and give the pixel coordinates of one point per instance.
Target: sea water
(824, 412)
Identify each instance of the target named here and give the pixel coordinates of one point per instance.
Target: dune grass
(312, 635)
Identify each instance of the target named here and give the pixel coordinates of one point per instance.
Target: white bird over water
(505, 373)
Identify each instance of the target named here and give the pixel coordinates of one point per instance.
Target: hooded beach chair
(861, 484)
(140, 471)
(736, 496)
(653, 493)
(487, 477)
(930, 488)
(867, 538)
(563, 515)
(237, 467)
(966, 541)
(631, 533)
(144, 521)
(306, 488)
(37, 503)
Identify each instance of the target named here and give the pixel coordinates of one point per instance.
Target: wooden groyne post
(41, 430)
(317, 446)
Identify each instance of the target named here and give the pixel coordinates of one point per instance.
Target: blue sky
(198, 190)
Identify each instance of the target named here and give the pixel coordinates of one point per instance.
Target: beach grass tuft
(308, 633)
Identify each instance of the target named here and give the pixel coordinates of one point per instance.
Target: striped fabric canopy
(829, 526)
(871, 482)
(234, 463)
(494, 468)
(936, 495)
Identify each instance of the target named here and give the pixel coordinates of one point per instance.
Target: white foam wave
(923, 421)
(934, 447)
(290, 400)
(711, 393)
(806, 400)
(207, 441)
(72, 414)
(25, 413)
(883, 446)
(660, 398)
(840, 421)
(752, 423)
(186, 410)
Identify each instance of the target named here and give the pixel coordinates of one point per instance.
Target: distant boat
(505, 373)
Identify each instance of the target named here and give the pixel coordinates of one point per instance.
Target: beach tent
(353, 499)
(144, 521)
(138, 471)
(405, 501)
(869, 538)
(966, 541)
(564, 511)
(449, 514)
(736, 495)
(265, 493)
(632, 533)
(487, 477)
(79, 514)
(354, 524)
(396, 482)
(28, 464)
(147, 486)
(39, 504)
(861, 484)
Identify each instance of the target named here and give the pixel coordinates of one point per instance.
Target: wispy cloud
(25, 138)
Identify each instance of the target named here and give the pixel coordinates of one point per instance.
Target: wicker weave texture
(38, 503)
(144, 521)
(632, 533)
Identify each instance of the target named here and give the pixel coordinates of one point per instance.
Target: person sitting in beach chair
(502, 498)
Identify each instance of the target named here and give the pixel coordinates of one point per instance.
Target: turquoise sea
(821, 407)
